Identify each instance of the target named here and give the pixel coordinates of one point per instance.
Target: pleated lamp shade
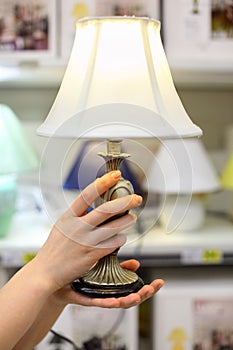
(118, 85)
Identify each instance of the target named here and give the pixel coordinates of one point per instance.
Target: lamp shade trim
(118, 120)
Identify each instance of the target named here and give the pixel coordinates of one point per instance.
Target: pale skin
(36, 295)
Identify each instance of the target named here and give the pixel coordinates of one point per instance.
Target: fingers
(111, 208)
(104, 236)
(98, 232)
(134, 299)
(112, 243)
(132, 265)
(106, 231)
(93, 191)
(149, 290)
(143, 294)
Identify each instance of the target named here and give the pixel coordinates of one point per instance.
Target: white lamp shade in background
(118, 85)
(182, 166)
(182, 171)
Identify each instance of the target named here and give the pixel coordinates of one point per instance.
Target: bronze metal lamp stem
(107, 278)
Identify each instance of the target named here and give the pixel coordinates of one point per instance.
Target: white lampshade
(181, 172)
(118, 85)
(182, 166)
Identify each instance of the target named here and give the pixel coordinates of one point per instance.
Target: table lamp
(227, 176)
(183, 173)
(117, 85)
(18, 156)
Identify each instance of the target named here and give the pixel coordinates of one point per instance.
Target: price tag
(201, 256)
(212, 256)
(28, 257)
(13, 258)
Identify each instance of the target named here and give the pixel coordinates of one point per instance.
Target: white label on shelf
(14, 258)
(11, 258)
(191, 256)
(201, 256)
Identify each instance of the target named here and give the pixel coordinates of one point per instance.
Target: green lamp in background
(227, 177)
(17, 156)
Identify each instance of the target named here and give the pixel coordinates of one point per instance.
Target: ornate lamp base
(107, 278)
(100, 291)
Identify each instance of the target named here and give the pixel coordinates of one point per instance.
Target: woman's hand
(66, 295)
(75, 243)
(79, 239)
(58, 300)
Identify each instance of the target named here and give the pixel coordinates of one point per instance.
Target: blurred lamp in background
(183, 174)
(87, 167)
(227, 177)
(117, 85)
(18, 157)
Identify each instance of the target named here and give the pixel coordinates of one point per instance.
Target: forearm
(41, 326)
(75, 243)
(21, 300)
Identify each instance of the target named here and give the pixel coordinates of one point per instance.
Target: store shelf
(33, 77)
(51, 76)
(203, 79)
(27, 234)
(213, 244)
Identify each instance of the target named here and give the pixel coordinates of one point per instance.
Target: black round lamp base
(103, 291)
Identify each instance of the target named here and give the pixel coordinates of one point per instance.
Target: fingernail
(160, 285)
(134, 217)
(139, 199)
(116, 174)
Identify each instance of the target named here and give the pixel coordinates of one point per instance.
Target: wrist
(58, 299)
(40, 278)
